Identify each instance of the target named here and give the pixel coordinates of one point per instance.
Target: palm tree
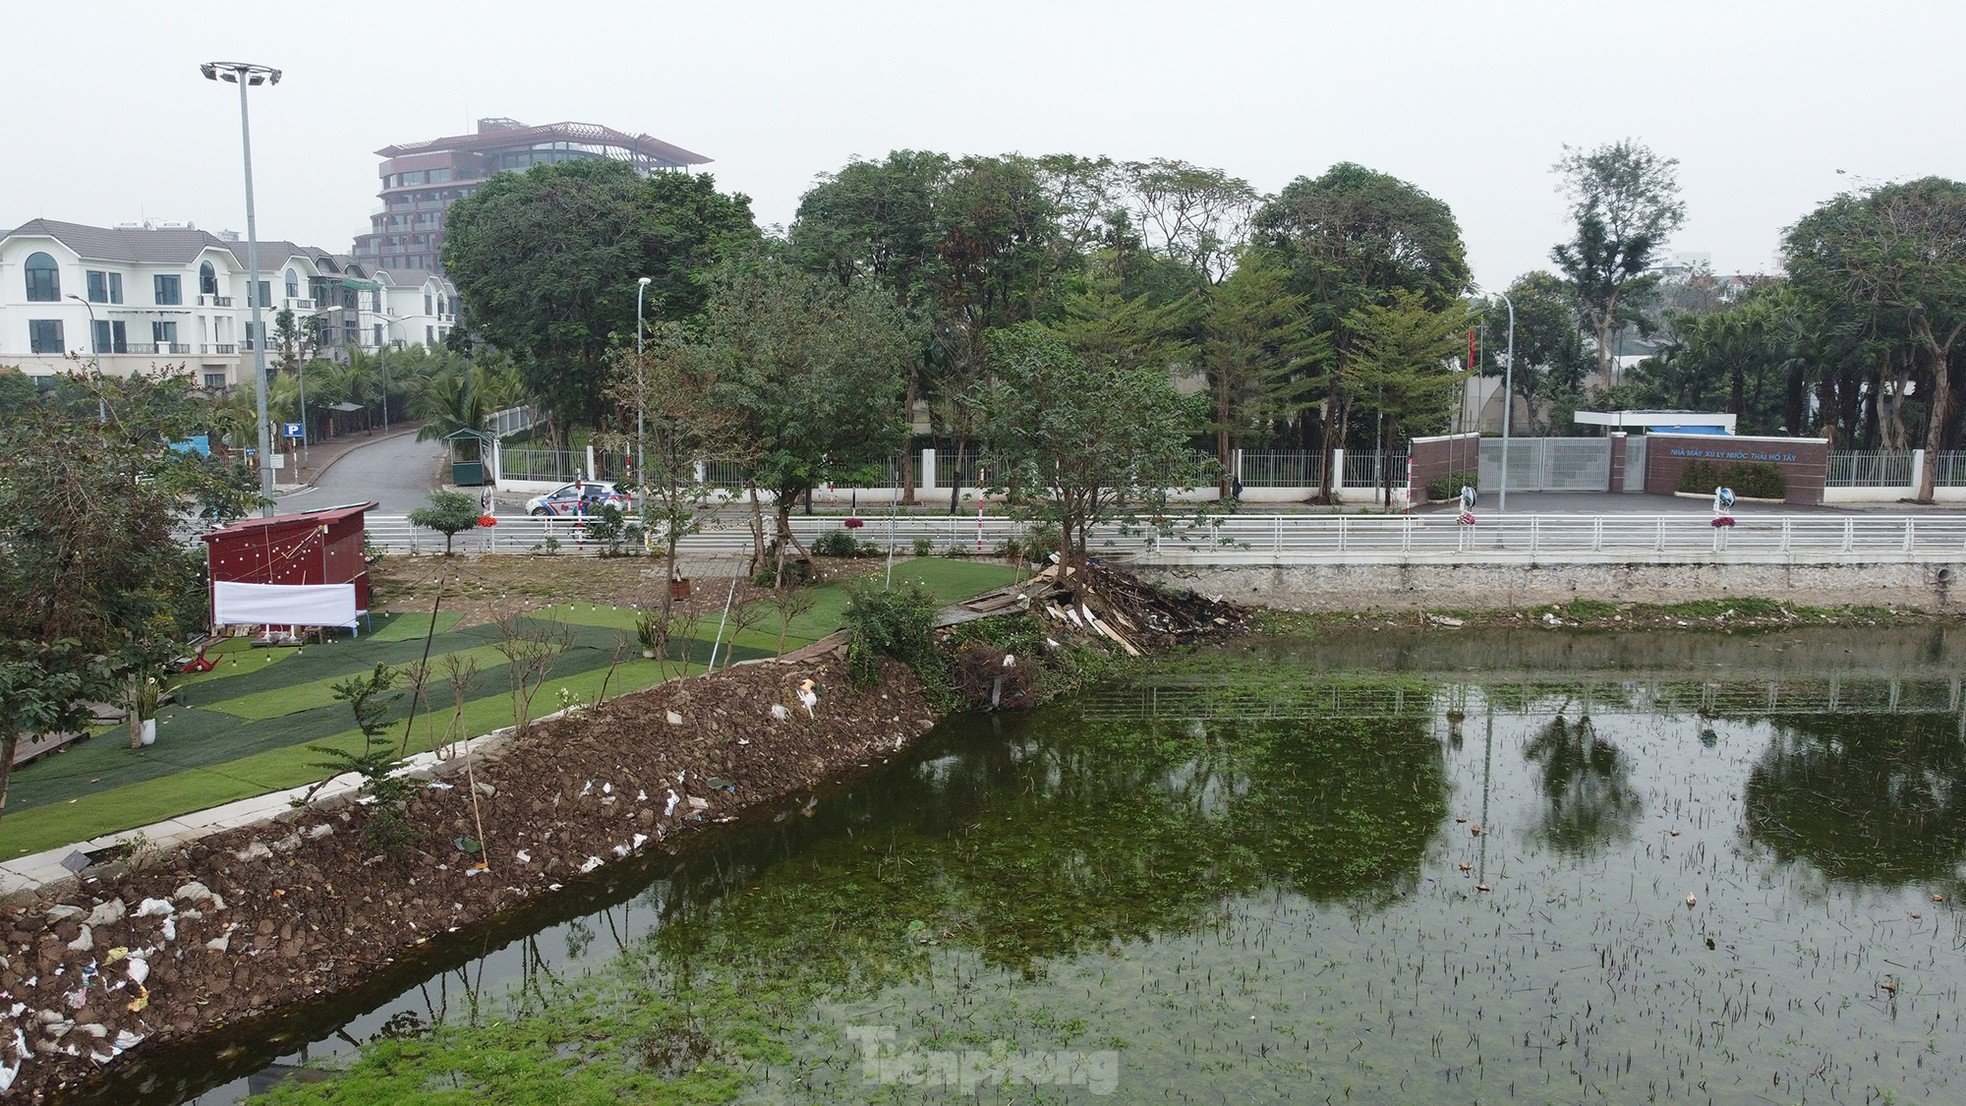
(449, 402)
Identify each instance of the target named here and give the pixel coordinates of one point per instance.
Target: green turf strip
(172, 792)
(207, 753)
(410, 625)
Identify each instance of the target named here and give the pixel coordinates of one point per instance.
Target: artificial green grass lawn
(246, 729)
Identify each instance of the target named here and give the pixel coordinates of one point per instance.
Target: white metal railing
(511, 420)
(1270, 539)
(1870, 468)
(1949, 469)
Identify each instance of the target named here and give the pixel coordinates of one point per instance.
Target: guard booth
(289, 572)
(468, 449)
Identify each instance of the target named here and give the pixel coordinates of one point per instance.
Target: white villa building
(141, 295)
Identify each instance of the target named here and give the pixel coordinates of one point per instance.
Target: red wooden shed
(291, 565)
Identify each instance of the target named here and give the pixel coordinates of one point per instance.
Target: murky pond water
(1379, 869)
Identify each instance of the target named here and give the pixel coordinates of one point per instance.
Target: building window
(111, 337)
(102, 285)
(207, 279)
(378, 335)
(164, 334)
(426, 304)
(214, 380)
(44, 336)
(170, 289)
(429, 335)
(293, 285)
(43, 279)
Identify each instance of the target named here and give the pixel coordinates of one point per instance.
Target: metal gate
(1548, 464)
(1634, 463)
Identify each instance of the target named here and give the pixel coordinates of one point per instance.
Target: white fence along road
(1307, 539)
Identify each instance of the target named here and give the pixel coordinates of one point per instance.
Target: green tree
(1899, 253)
(1352, 238)
(996, 242)
(448, 513)
(1747, 350)
(1624, 200)
(548, 260)
(1101, 439)
(1403, 363)
(1550, 360)
(99, 588)
(1196, 217)
(808, 370)
(876, 221)
(1255, 352)
(673, 388)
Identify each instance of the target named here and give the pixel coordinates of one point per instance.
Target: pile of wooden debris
(1109, 603)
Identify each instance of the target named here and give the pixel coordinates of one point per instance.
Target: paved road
(398, 472)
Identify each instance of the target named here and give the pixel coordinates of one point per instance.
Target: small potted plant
(679, 587)
(144, 698)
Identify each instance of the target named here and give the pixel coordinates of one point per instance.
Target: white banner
(236, 604)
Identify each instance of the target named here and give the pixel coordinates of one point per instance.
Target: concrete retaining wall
(1338, 587)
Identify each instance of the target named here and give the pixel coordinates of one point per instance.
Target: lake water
(1380, 867)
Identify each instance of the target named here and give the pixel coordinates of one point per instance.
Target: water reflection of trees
(1877, 799)
(1058, 838)
(1061, 841)
(1588, 800)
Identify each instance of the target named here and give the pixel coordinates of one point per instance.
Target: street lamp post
(1508, 405)
(382, 362)
(95, 355)
(245, 75)
(641, 459)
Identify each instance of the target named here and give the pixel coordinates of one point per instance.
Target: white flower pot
(147, 732)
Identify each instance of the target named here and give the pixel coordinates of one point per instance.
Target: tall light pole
(1508, 405)
(641, 460)
(95, 356)
(382, 362)
(245, 75)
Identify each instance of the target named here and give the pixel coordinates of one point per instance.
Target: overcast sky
(106, 118)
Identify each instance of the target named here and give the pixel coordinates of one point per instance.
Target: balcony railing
(207, 300)
(297, 304)
(156, 348)
(219, 347)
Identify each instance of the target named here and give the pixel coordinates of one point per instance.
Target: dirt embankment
(266, 916)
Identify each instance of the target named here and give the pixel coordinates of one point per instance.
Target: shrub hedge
(1749, 479)
(1449, 486)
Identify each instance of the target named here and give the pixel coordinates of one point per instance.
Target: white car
(582, 497)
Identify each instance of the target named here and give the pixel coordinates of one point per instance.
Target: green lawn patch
(279, 701)
(246, 725)
(410, 626)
